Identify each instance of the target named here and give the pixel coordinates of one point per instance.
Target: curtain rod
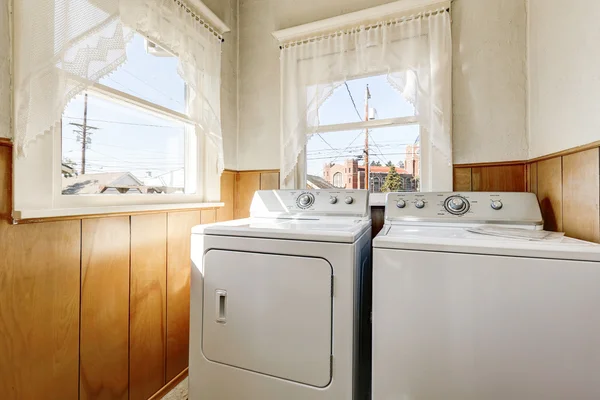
(200, 20)
(358, 29)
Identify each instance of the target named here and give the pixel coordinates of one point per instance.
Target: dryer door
(268, 313)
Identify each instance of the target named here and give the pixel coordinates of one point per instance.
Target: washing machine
(281, 300)
(472, 300)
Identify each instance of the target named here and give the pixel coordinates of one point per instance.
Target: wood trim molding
(6, 142)
(169, 386)
(567, 152)
(262, 171)
(491, 164)
(118, 214)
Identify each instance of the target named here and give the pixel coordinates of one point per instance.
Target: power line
(127, 123)
(353, 102)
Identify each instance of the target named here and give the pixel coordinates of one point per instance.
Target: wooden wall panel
(581, 192)
(39, 310)
(227, 196)
(246, 184)
(178, 289)
(378, 219)
(5, 181)
(502, 178)
(148, 302)
(269, 180)
(532, 178)
(462, 180)
(549, 192)
(104, 347)
(208, 216)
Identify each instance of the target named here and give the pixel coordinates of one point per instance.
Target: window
(114, 141)
(338, 180)
(391, 149)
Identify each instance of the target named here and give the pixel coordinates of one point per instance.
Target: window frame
(38, 178)
(384, 123)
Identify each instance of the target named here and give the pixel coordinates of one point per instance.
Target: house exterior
(113, 183)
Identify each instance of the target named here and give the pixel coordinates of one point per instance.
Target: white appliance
(473, 301)
(280, 300)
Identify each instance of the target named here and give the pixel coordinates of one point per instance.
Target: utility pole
(367, 167)
(83, 134)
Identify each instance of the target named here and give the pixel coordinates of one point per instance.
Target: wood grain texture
(148, 305)
(170, 386)
(532, 181)
(246, 184)
(581, 195)
(508, 178)
(226, 213)
(39, 310)
(208, 216)
(104, 309)
(269, 181)
(549, 192)
(462, 179)
(5, 182)
(178, 290)
(378, 219)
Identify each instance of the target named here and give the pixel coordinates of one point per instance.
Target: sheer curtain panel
(63, 47)
(416, 55)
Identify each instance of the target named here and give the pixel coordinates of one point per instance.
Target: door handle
(221, 303)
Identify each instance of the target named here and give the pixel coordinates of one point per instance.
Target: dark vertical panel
(549, 192)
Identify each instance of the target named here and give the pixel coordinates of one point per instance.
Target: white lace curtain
(63, 47)
(416, 55)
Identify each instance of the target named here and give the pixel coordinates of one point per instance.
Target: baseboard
(169, 386)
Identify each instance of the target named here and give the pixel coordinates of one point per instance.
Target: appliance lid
(341, 230)
(464, 240)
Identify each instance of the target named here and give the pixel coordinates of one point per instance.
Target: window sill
(28, 216)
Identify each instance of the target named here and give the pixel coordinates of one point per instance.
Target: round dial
(349, 200)
(420, 204)
(401, 204)
(457, 205)
(497, 204)
(332, 200)
(305, 200)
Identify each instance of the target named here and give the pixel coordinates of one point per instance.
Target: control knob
(456, 205)
(349, 200)
(497, 204)
(401, 204)
(332, 200)
(305, 200)
(420, 204)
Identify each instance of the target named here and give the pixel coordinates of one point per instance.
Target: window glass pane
(337, 159)
(150, 73)
(127, 151)
(385, 102)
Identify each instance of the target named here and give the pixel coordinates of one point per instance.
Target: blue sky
(127, 139)
(386, 144)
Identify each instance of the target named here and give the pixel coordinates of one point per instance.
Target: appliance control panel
(464, 207)
(323, 202)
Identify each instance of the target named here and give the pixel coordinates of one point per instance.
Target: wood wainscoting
(95, 308)
(567, 185)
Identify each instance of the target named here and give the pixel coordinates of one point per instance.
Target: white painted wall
(564, 56)
(5, 97)
(490, 80)
(489, 76)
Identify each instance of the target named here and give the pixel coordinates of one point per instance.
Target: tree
(401, 164)
(375, 163)
(389, 164)
(393, 181)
